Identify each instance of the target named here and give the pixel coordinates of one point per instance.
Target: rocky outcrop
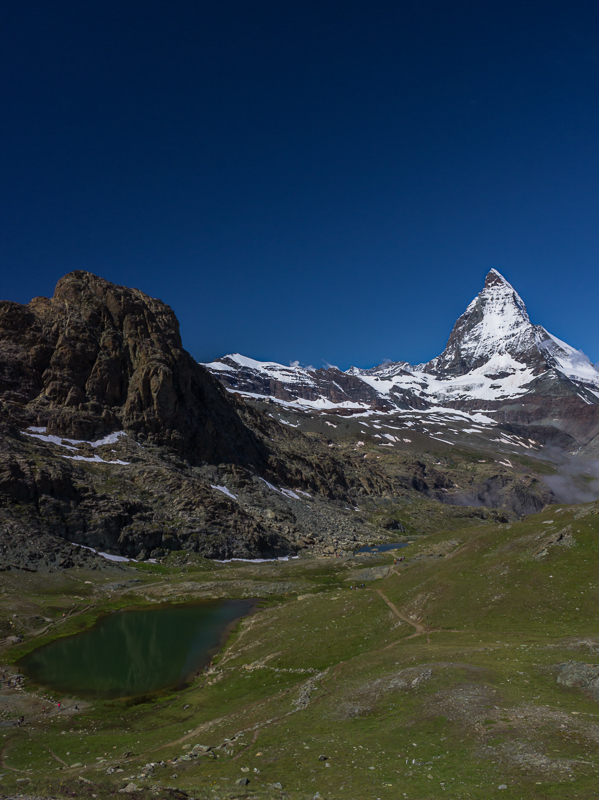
(578, 675)
(96, 358)
(113, 438)
(28, 549)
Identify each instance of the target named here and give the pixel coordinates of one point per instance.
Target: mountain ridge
(97, 357)
(114, 440)
(495, 360)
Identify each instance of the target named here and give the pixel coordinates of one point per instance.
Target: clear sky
(312, 180)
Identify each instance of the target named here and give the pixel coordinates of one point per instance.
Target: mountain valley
(460, 662)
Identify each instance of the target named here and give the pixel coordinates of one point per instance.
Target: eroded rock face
(97, 357)
(26, 548)
(196, 469)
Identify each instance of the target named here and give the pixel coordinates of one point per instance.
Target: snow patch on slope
(493, 354)
(75, 444)
(268, 369)
(224, 490)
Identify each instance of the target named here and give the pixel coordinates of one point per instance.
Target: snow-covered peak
(495, 337)
(494, 354)
(495, 323)
(495, 278)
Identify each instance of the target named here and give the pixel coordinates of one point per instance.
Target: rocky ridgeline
(112, 438)
(97, 358)
(496, 360)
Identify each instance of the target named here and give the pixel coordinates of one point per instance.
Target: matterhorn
(497, 363)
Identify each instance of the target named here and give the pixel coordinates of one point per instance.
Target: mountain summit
(494, 356)
(495, 326)
(496, 337)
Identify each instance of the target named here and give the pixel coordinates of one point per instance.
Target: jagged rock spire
(496, 323)
(495, 278)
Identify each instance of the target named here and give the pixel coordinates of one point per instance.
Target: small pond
(131, 653)
(381, 548)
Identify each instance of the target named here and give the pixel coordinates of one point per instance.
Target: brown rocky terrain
(97, 358)
(113, 438)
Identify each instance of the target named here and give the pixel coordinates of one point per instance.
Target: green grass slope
(458, 673)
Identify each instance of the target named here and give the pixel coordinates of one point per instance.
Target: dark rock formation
(578, 675)
(195, 468)
(96, 358)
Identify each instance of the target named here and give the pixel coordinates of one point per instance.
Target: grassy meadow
(436, 678)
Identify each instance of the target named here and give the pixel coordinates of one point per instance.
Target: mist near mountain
(577, 479)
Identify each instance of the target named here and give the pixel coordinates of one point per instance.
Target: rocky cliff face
(113, 438)
(97, 358)
(102, 409)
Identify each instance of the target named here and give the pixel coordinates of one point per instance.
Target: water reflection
(135, 652)
(382, 548)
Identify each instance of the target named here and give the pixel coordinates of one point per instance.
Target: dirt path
(418, 628)
(52, 753)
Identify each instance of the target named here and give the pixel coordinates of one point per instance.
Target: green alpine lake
(131, 653)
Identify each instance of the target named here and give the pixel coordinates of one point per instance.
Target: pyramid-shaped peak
(496, 323)
(495, 278)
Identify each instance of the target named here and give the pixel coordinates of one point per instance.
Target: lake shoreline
(125, 650)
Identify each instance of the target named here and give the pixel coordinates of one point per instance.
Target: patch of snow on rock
(224, 490)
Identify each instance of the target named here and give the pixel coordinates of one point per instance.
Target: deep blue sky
(321, 180)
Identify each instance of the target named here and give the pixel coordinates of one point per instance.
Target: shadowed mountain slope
(96, 358)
